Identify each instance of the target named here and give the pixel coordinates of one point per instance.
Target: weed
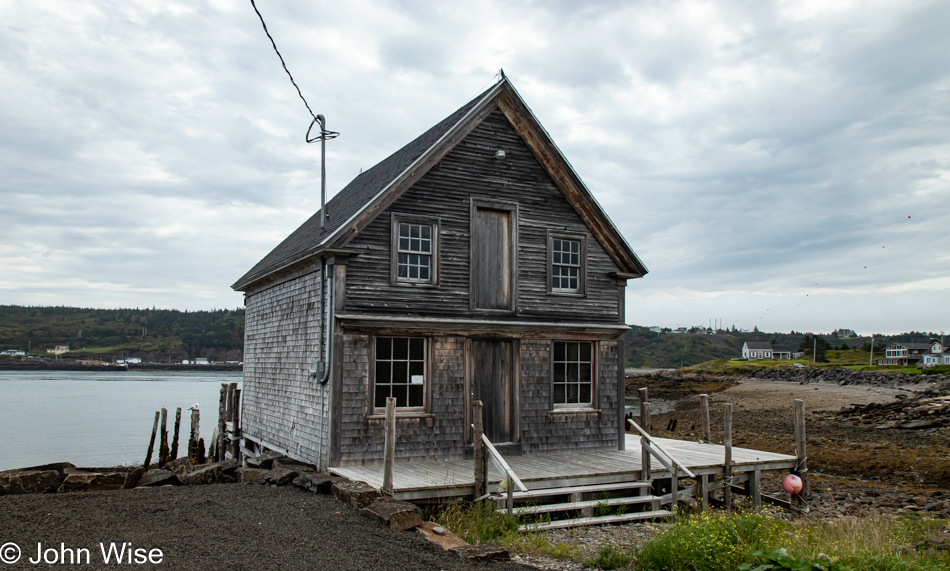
(610, 557)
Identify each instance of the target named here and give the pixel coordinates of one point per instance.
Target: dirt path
(233, 527)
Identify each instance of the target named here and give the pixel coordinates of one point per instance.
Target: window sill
(573, 410)
(577, 294)
(401, 416)
(414, 284)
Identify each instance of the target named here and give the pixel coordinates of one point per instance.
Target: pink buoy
(792, 484)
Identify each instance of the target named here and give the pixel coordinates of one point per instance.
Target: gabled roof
(756, 345)
(370, 193)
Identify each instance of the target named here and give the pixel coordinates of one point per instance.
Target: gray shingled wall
(545, 431)
(282, 405)
(436, 435)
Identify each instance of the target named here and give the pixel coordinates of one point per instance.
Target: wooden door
(492, 270)
(493, 382)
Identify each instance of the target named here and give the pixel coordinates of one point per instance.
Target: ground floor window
(400, 371)
(573, 374)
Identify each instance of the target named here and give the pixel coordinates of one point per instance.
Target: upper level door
(494, 237)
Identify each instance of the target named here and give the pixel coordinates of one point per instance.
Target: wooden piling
(801, 453)
(481, 476)
(174, 453)
(704, 406)
(235, 418)
(389, 446)
(151, 443)
(193, 452)
(222, 415)
(727, 466)
(163, 445)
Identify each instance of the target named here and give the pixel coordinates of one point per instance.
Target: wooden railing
(482, 445)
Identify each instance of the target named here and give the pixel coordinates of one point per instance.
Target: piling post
(151, 443)
(481, 476)
(389, 447)
(193, 439)
(704, 405)
(235, 418)
(801, 453)
(727, 467)
(174, 453)
(163, 446)
(222, 415)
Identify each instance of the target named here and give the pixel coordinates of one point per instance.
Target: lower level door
(493, 382)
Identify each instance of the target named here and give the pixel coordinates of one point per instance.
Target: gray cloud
(762, 159)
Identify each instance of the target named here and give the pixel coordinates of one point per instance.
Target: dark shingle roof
(309, 236)
(758, 345)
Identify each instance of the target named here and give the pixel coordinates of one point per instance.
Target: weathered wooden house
(472, 264)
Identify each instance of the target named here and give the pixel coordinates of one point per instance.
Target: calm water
(98, 418)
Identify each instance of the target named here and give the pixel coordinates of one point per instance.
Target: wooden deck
(432, 480)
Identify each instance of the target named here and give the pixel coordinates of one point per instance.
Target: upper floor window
(400, 372)
(567, 261)
(414, 250)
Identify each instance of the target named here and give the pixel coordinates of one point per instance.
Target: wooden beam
(727, 463)
(481, 473)
(389, 446)
(645, 421)
(801, 453)
(672, 458)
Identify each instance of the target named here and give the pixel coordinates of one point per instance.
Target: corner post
(801, 452)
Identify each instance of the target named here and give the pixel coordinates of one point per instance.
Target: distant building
(905, 354)
(201, 361)
(13, 353)
(845, 333)
(133, 360)
(756, 350)
(59, 350)
(655, 329)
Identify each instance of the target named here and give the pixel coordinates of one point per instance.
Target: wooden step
(544, 508)
(580, 489)
(582, 521)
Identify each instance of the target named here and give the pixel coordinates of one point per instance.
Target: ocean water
(99, 418)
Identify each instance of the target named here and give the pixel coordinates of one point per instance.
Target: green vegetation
(153, 334)
(714, 540)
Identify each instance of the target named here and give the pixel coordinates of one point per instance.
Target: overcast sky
(783, 165)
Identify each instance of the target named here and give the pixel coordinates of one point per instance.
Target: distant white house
(759, 350)
(59, 350)
(938, 354)
(906, 354)
(13, 353)
(133, 360)
(201, 361)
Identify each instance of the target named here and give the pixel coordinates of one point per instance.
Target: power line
(312, 114)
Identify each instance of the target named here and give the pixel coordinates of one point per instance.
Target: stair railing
(654, 448)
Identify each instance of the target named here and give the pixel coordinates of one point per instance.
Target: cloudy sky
(783, 165)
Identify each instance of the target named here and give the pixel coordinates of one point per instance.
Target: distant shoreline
(43, 364)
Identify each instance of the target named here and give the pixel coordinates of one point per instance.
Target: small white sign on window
(416, 379)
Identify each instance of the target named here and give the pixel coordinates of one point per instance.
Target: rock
(99, 479)
(265, 461)
(921, 424)
(181, 467)
(32, 482)
(250, 475)
(316, 482)
(158, 478)
(280, 476)
(483, 552)
(214, 473)
(358, 493)
(446, 540)
(295, 465)
(939, 542)
(394, 513)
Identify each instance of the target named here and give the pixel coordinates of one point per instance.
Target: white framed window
(567, 263)
(400, 370)
(414, 250)
(572, 374)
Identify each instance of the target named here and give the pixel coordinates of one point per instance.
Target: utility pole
(814, 351)
(871, 358)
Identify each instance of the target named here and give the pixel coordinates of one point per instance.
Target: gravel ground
(230, 527)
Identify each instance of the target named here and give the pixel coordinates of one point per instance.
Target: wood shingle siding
(470, 170)
(283, 407)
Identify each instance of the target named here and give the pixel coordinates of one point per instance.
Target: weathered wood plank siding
(436, 435)
(470, 170)
(282, 405)
(544, 430)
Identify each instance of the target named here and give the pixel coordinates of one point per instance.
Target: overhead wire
(282, 62)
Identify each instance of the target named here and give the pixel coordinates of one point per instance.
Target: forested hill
(159, 335)
(648, 349)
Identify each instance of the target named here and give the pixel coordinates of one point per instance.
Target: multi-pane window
(414, 252)
(400, 371)
(573, 372)
(565, 265)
